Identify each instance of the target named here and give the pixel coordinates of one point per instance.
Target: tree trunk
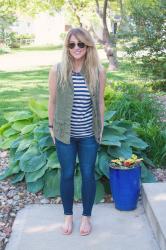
(75, 11)
(111, 53)
(108, 40)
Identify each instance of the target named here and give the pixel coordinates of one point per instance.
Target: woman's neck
(77, 66)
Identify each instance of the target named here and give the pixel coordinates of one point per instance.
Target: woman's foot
(68, 224)
(85, 227)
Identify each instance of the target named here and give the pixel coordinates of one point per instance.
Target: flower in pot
(125, 182)
(122, 163)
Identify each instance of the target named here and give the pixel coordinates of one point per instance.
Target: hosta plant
(33, 156)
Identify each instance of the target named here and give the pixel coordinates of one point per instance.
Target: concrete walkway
(37, 227)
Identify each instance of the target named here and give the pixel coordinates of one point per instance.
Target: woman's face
(77, 53)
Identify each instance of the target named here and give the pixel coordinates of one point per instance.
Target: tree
(7, 18)
(148, 31)
(91, 9)
(109, 38)
(79, 10)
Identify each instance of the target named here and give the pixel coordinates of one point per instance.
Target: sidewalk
(37, 227)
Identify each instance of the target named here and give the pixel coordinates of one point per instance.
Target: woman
(76, 120)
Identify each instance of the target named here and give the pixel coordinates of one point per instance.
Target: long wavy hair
(91, 63)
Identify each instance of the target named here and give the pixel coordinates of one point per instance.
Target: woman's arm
(52, 99)
(102, 80)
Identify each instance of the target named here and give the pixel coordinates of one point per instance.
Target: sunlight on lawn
(30, 80)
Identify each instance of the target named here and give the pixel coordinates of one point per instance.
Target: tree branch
(105, 31)
(99, 40)
(75, 11)
(98, 11)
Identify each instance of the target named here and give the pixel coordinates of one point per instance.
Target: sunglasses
(79, 44)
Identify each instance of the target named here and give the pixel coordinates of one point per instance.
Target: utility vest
(63, 109)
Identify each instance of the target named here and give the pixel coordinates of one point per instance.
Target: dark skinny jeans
(86, 148)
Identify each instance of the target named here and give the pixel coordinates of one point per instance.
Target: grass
(29, 49)
(129, 72)
(16, 88)
(37, 48)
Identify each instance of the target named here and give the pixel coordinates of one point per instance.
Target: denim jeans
(86, 148)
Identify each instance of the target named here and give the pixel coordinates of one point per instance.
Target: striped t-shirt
(81, 117)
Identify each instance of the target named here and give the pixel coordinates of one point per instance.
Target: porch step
(154, 202)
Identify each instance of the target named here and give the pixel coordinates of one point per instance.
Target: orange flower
(127, 163)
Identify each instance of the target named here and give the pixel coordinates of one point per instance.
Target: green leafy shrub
(33, 155)
(135, 103)
(147, 32)
(158, 85)
(4, 49)
(16, 40)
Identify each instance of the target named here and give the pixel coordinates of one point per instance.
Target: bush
(147, 33)
(33, 155)
(135, 103)
(4, 49)
(16, 40)
(158, 85)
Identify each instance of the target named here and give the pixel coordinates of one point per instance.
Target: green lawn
(17, 87)
(37, 48)
(129, 72)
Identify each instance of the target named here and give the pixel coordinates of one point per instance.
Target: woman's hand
(52, 134)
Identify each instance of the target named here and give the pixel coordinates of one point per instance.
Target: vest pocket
(61, 128)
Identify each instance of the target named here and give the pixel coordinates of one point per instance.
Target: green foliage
(119, 139)
(4, 49)
(135, 103)
(16, 40)
(24, 85)
(33, 156)
(158, 85)
(29, 7)
(8, 15)
(7, 18)
(147, 27)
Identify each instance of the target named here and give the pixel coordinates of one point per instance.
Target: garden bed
(15, 197)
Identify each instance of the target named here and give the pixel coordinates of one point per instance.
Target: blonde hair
(91, 63)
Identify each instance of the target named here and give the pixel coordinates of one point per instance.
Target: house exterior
(47, 29)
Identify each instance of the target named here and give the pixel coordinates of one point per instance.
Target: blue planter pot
(125, 187)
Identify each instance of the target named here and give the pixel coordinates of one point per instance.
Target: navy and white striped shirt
(81, 117)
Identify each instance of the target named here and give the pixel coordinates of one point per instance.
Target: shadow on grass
(127, 71)
(37, 74)
(17, 101)
(18, 87)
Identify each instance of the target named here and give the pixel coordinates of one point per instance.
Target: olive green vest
(63, 109)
